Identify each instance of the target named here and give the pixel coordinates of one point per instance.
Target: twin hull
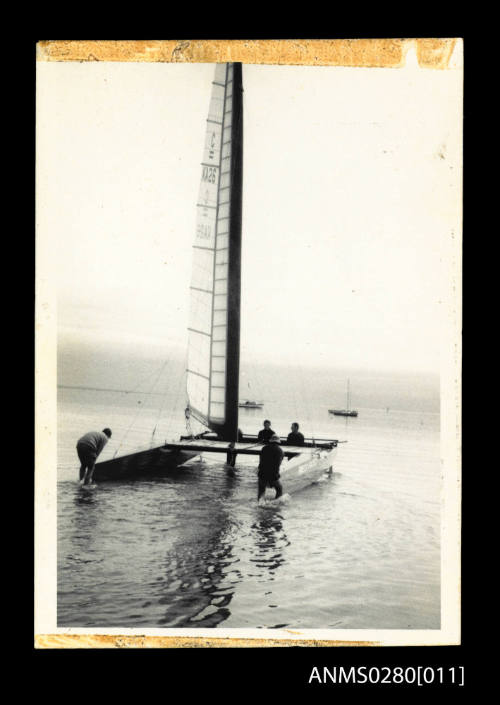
(296, 473)
(153, 462)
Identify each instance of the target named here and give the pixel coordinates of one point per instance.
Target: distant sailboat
(214, 330)
(250, 404)
(347, 411)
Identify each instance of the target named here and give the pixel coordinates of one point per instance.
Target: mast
(230, 430)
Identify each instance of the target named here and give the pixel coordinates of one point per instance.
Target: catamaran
(214, 330)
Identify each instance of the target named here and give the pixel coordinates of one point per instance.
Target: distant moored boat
(347, 411)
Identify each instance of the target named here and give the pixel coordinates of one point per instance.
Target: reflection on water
(269, 541)
(199, 577)
(201, 571)
(84, 527)
(188, 575)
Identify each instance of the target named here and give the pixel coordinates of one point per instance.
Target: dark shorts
(87, 455)
(269, 479)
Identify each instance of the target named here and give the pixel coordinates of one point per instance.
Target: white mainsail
(208, 329)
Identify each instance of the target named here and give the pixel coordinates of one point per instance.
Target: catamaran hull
(154, 462)
(299, 472)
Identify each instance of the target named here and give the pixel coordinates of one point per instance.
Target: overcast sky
(351, 212)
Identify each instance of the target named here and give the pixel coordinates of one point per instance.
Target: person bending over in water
(89, 448)
(271, 456)
(266, 433)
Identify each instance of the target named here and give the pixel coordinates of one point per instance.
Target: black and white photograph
(248, 349)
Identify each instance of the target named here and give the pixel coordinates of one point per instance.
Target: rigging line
(176, 407)
(162, 406)
(146, 378)
(183, 378)
(181, 381)
(140, 410)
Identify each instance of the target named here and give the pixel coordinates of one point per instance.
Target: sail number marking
(209, 174)
(204, 231)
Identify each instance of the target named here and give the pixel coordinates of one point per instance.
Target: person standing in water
(271, 456)
(88, 449)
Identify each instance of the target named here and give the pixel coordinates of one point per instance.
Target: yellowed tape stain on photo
(368, 53)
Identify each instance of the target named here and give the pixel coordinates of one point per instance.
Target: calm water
(193, 550)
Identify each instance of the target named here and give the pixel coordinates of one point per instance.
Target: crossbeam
(308, 442)
(326, 443)
(241, 448)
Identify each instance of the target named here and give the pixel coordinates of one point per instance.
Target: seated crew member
(89, 448)
(266, 433)
(295, 438)
(271, 456)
